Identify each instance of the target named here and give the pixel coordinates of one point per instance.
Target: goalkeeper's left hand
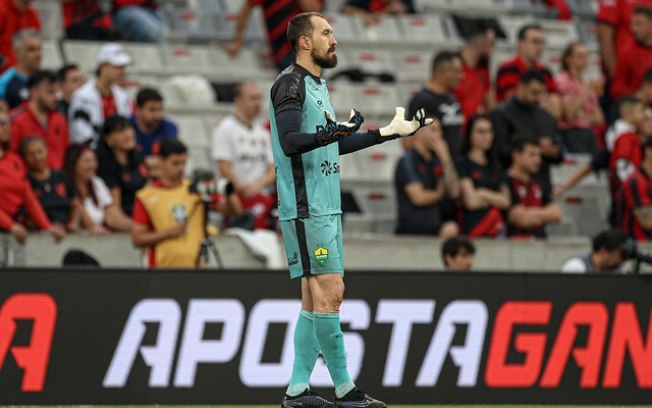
(335, 131)
(400, 127)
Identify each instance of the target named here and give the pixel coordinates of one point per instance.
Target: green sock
(331, 341)
(306, 351)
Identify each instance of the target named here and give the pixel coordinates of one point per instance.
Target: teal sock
(331, 341)
(306, 351)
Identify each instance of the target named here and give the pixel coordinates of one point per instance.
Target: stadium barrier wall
(197, 337)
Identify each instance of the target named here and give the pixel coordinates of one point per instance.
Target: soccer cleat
(306, 399)
(358, 399)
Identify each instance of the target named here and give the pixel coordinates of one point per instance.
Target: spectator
(634, 60)
(70, 78)
(522, 116)
(17, 193)
(101, 213)
(425, 176)
(614, 29)
(437, 99)
(120, 164)
(87, 20)
(38, 117)
(370, 10)
(98, 99)
(151, 126)
(243, 153)
(482, 181)
(457, 254)
(168, 217)
(138, 21)
(15, 16)
(529, 50)
(564, 12)
(52, 187)
(277, 15)
(643, 94)
(581, 115)
(13, 82)
(630, 111)
(637, 198)
(474, 91)
(531, 209)
(605, 255)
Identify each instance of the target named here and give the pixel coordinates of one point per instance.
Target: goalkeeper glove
(400, 127)
(334, 131)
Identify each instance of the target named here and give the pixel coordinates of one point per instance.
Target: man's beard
(324, 61)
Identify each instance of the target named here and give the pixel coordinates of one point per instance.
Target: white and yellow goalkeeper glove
(400, 127)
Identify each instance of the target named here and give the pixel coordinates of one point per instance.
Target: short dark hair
(300, 25)
(643, 10)
(22, 147)
(610, 239)
(114, 123)
(39, 77)
(443, 57)
(63, 72)
(453, 246)
(519, 143)
(522, 32)
(171, 146)
(532, 75)
(145, 95)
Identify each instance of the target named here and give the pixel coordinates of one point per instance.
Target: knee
(331, 298)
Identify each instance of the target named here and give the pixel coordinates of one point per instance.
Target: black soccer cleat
(306, 399)
(358, 399)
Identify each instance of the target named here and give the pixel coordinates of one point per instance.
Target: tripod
(206, 243)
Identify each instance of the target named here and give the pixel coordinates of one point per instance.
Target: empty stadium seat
(344, 26)
(147, 58)
(423, 29)
(51, 18)
(386, 30)
(51, 55)
(371, 60)
(413, 66)
(83, 53)
(372, 100)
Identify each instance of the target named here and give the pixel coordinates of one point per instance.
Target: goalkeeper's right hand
(335, 131)
(400, 127)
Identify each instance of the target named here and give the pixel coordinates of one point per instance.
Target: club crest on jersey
(321, 255)
(179, 213)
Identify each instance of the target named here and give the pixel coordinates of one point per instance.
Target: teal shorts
(313, 245)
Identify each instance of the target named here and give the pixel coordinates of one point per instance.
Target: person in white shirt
(100, 98)
(242, 150)
(605, 257)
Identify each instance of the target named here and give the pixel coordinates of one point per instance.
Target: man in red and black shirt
(531, 208)
(529, 50)
(635, 59)
(15, 15)
(86, 20)
(38, 117)
(614, 29)
(278, 14)
(637, 199)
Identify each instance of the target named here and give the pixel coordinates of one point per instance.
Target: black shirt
(55, 195)
(129, 178)
(447, 109)
(412, 168)
(482, 176)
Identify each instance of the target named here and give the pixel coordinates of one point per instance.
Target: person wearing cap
(100, 98)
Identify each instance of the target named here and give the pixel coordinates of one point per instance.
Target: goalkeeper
(307, 142)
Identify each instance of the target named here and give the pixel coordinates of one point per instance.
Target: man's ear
(305, 43)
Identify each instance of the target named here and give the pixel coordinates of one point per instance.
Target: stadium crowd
(78, 154)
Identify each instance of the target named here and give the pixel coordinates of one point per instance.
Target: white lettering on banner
(195, 350)
(159, 357)
(474, 314)
(403, 314)
(253, 372)
(356, 314)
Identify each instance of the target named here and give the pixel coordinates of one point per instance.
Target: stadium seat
(424, 29)
(344, 27)
(378, 163)
(371, 60)
(199, 158)
(51, 55)
(414, 65)
(147, 58)
(50, 14)
(193, 131)
(559, 34)
(386, 30)
(375, 100)
(188, 90)
(181, 59)
(83, 53)
(431, 6)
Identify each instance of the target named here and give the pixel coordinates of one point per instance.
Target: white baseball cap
(114, 54)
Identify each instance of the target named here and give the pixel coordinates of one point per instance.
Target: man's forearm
(451, 179)
(606, 36)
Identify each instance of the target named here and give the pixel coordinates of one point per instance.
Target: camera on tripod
(206, 186)
(629, 250)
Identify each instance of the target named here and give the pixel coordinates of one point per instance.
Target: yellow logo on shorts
(321, 255)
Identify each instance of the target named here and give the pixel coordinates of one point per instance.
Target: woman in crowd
(120, 165)
(52, 187)
(482, 181)
(582, 118)
(17, 194)
(81, 167)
